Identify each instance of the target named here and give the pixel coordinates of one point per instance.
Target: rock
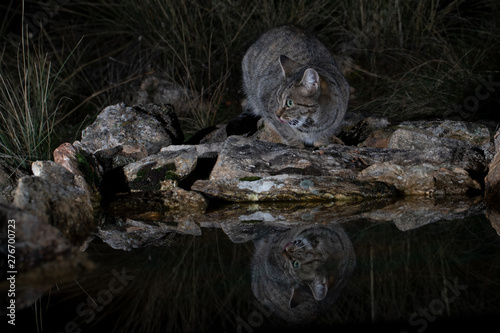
(43, 254)
(472, 133)
(155, 89)
(242, 157)
(492, 180)
(291, 188)
(244, 222)
(172, 165)
(56, 196)
(415, 139)
(160, 90)
(163, 205)
(208, 150)
(363, 130)
(119, 156)
(122, 134)
(129, 234)
(266, 132)
(8, 180)
(161, 171)
(252, 170)
(244, 124)
(151, 218)
(444, 150)
(424, 179)
(158, 182)
(375, 132)
(219, 134)
(142, 219)
(414, 212)
(66, 156)
(75, 161)
(377, 139)
(36, 239)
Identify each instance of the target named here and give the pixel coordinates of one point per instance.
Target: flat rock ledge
(253, 170)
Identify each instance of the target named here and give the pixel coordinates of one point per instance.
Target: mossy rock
(150, 179)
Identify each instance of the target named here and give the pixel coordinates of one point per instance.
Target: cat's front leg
(295, 143)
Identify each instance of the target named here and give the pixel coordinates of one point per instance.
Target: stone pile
(132, 169)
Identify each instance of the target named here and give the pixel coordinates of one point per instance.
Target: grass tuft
(29, 105)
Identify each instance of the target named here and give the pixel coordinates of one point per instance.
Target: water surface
(440, 273)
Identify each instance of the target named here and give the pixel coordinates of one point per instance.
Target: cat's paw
(327, 141)
(295, 143)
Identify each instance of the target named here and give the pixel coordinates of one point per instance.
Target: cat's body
(292, 80)
(299, 273)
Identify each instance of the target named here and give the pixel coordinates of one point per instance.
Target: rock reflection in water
(299, 273)
(244, 222)
(194, 273)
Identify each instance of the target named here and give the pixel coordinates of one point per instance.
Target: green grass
(404, 59)
(29, 107)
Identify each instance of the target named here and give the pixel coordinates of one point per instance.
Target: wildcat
(300, 272)
(292, 80)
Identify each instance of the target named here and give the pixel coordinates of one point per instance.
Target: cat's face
(298, 99)
(300, 272)
(308, 259)
(298, 109)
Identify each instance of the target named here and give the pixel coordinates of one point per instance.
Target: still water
(440, 275)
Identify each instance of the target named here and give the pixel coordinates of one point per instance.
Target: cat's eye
(289, 103)
(295, 264)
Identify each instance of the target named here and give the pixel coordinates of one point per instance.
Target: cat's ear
(287, 65)
(310, 79)
(319, 288)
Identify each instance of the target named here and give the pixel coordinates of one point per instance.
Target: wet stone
(425, 179)
(292, 188)
(363, 130)
(79, 163)
(130, 133)
(244, 222)
(414, 212)
(57, 196)
(472, 133)
(127, 234)
(176, 201)
(161, 171)
(253, 170)
(36, 239)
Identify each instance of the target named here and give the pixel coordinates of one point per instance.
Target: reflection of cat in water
(299, 273)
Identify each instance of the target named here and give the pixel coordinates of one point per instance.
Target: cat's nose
(285, 253)
(279, 114)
